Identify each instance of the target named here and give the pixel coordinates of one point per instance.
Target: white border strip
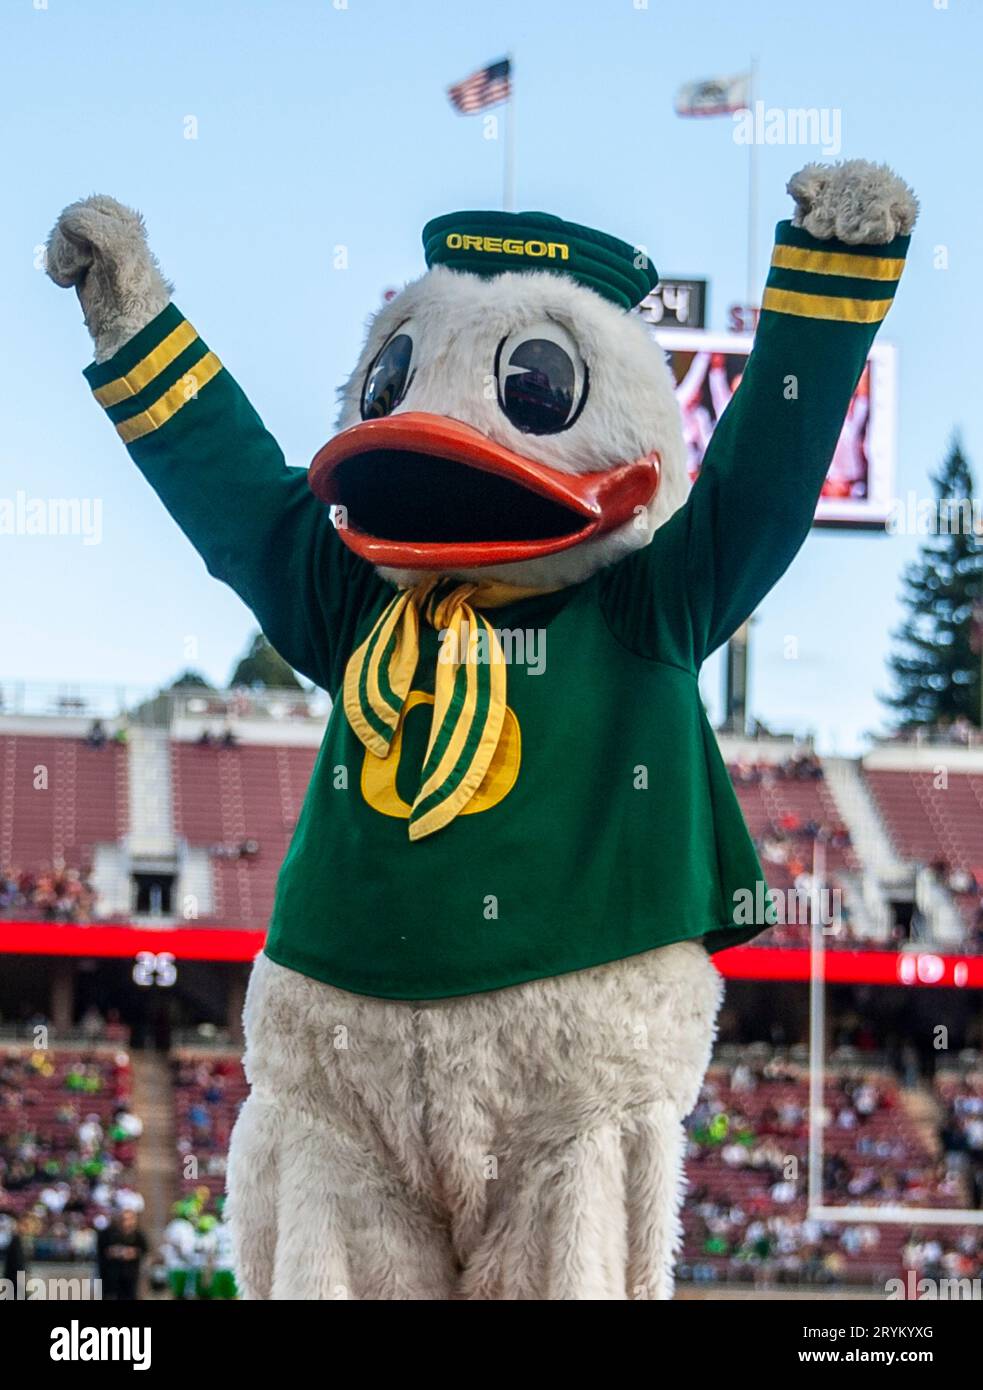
(903, 1216)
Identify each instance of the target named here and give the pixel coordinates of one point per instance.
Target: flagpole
(752, 188)
(508, 177)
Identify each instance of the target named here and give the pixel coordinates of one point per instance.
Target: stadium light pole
(752, 188)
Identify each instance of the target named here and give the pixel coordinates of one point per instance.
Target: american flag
(486, 87)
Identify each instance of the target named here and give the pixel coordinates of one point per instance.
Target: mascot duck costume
(487, 1000)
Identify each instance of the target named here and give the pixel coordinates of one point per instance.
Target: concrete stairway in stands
(923, 1109)
(110, 878)
(863, 820)
(195, 895)
(883, 866)
(151, 833)
(943, 920)
(153, 1101)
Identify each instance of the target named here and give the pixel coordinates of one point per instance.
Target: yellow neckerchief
(469, 689)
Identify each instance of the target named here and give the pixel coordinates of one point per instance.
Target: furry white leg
(253, 1180)
(600, 1222)
(330, 1183)
(654, 1149)
(556, 1123)
(346, 1229)
(556, 1226)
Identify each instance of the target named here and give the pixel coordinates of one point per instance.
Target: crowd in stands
(788, 841)
(244, 702)
(957, 880)
(54, 893)
(98, 735)
(960, 732)
(966, 888)
(961, 1132)
(785, 838)
(68, 1141)
(944, 1254)
(745, 1217)
(799, 767)
(222, 739)
(770, 1248)
(208, 1092)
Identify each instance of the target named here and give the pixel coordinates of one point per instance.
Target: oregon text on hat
(501, 243)
(510, 246)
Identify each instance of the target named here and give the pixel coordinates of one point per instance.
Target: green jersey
(607, 824)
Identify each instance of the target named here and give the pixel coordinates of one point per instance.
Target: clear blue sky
(320, 126)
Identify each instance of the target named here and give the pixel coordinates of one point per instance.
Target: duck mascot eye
(487, 997)
(542, 379)
(389, 376)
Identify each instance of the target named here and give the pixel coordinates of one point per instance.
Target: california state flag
(714, 96)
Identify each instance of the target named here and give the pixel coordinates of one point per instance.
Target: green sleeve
(707, 569)
(222, 476)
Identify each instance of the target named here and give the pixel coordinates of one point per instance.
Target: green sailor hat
(490, 243)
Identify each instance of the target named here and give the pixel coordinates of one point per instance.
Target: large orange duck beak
(421, 491)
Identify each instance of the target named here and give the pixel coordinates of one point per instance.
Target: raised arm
(833, 275)
(195, 437)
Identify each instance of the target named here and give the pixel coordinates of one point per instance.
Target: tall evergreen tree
(936, 666)
(263, 665)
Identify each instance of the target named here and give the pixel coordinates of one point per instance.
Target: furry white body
(527, 1142)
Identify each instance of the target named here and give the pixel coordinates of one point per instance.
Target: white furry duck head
(508, 418)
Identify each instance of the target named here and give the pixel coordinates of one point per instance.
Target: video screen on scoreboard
(859, 488)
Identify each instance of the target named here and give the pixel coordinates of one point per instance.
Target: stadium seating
(932, 823)
(224, 797)
(783, 812)
(772, 799)
(883, 1157)
(208, 1091)
(44, 1097)
(84, 803)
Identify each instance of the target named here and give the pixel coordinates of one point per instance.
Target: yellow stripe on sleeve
(171, 401)
(837, 263)
(825, 306)
(149, 367)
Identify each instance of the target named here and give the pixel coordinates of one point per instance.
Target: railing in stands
(68, 699)
(141, 704)
(26, 1035)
